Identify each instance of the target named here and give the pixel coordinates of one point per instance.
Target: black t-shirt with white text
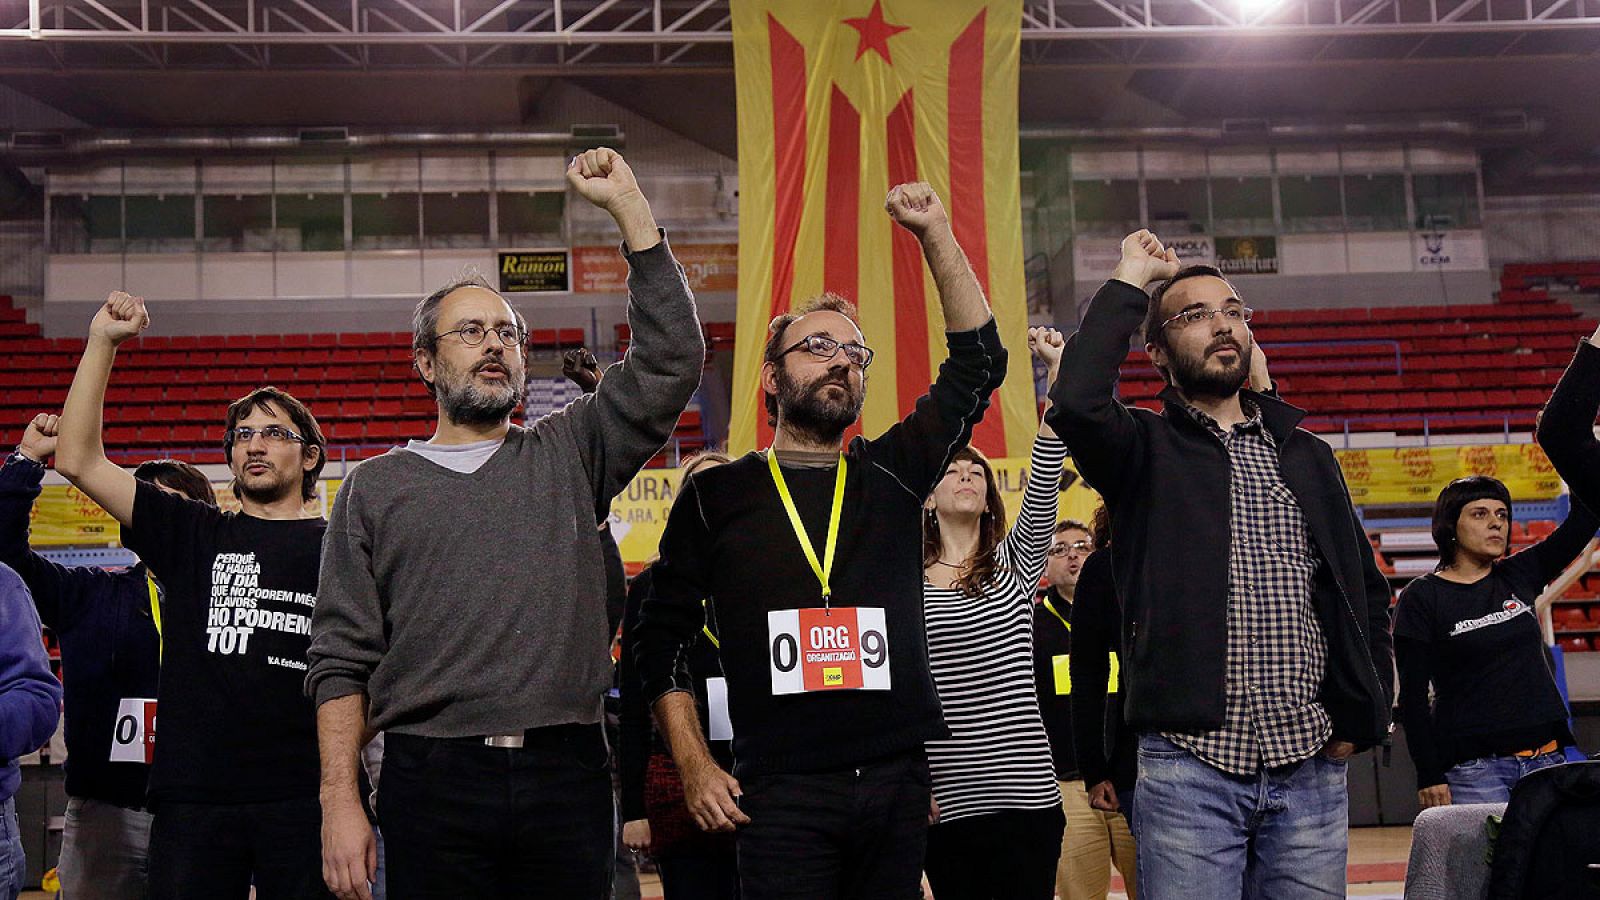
(234, 724)
(1480, 648)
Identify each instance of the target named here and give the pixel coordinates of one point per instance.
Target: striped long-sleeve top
(981, 654)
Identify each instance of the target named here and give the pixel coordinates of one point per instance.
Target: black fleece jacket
(1166, 480)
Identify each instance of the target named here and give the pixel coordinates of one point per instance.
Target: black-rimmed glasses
(823, 347)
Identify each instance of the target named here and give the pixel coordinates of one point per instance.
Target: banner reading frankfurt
(840, 100)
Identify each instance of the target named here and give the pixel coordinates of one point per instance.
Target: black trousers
(215, 851)
(856, 833)
(1007, 855)
(462, 819)
(708, 876)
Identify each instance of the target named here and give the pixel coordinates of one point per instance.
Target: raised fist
(1046, 343)
(39, 438)
(1145, 260)
(601, 177)
(580, 366)
(916, 208)
(123, 316)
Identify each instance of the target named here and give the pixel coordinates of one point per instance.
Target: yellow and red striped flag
(840, 100)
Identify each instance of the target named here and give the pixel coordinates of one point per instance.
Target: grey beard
(467, 404)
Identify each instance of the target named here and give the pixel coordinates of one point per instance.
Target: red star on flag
(875, 32)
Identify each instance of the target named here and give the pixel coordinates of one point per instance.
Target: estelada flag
(840, 100)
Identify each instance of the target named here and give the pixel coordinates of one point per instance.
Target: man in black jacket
(110, 651)
(1258, 655)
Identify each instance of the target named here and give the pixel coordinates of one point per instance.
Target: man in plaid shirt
(1256, 635)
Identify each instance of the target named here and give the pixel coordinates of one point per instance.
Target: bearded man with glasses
(233, 786)
(464, 595)
(1257, 655)
(830, 695)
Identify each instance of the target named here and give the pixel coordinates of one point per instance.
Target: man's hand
(933, 809)
(1145, 261)
(123, 316)
(581, 368)
(1104, 797)
(1260, 380)
(1334, 749)
(349, 850)
(636, 835)
(39, 438)
(712, 797)
(917, 209)
(1437, 795)
(601, 177)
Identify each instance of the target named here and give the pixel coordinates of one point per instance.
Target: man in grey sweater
(461, 606)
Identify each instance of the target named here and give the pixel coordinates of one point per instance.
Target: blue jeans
(1282, 834)
(13, 865)
(1489, 779)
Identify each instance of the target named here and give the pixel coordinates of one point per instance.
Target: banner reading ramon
(533, 271)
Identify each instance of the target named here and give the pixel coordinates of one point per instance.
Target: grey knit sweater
(473, 604)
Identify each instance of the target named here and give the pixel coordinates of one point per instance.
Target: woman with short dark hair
(1469, 630)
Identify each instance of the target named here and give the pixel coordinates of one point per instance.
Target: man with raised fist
(811, 553)
(106, 625)
(463, 594)
(1257, 654)
(234, 783)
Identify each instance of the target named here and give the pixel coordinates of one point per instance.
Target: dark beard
(266, 496)
(804, 408)
(465, 403)
(1191, 376)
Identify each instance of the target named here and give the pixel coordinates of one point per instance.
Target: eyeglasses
(1078, 547)
(275, 435)
(474, 334)
(823, 347)
(1232, 314)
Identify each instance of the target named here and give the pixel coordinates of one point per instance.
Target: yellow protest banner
(1417, 474)
(64, 517)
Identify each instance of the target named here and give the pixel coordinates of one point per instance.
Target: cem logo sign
(1433, 243)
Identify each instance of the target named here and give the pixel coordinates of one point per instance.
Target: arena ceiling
(1086, 63)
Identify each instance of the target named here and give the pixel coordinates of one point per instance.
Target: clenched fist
(122, 317)
(916, 208)
(601, 177)
(1047, 344)
(1145, 260)
(39, 438)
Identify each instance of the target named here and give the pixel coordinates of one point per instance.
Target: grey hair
(425, 320)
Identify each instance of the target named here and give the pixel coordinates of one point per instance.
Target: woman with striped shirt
(998, 810)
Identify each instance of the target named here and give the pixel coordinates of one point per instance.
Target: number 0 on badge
(845, 648)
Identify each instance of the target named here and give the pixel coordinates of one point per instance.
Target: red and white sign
(134, 738)
(842, 649)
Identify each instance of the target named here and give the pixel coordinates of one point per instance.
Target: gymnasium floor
(1377, 867)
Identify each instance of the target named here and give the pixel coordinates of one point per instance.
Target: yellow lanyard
(824, 569)
(155, 612)
(706, 629)
(1050, 606)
